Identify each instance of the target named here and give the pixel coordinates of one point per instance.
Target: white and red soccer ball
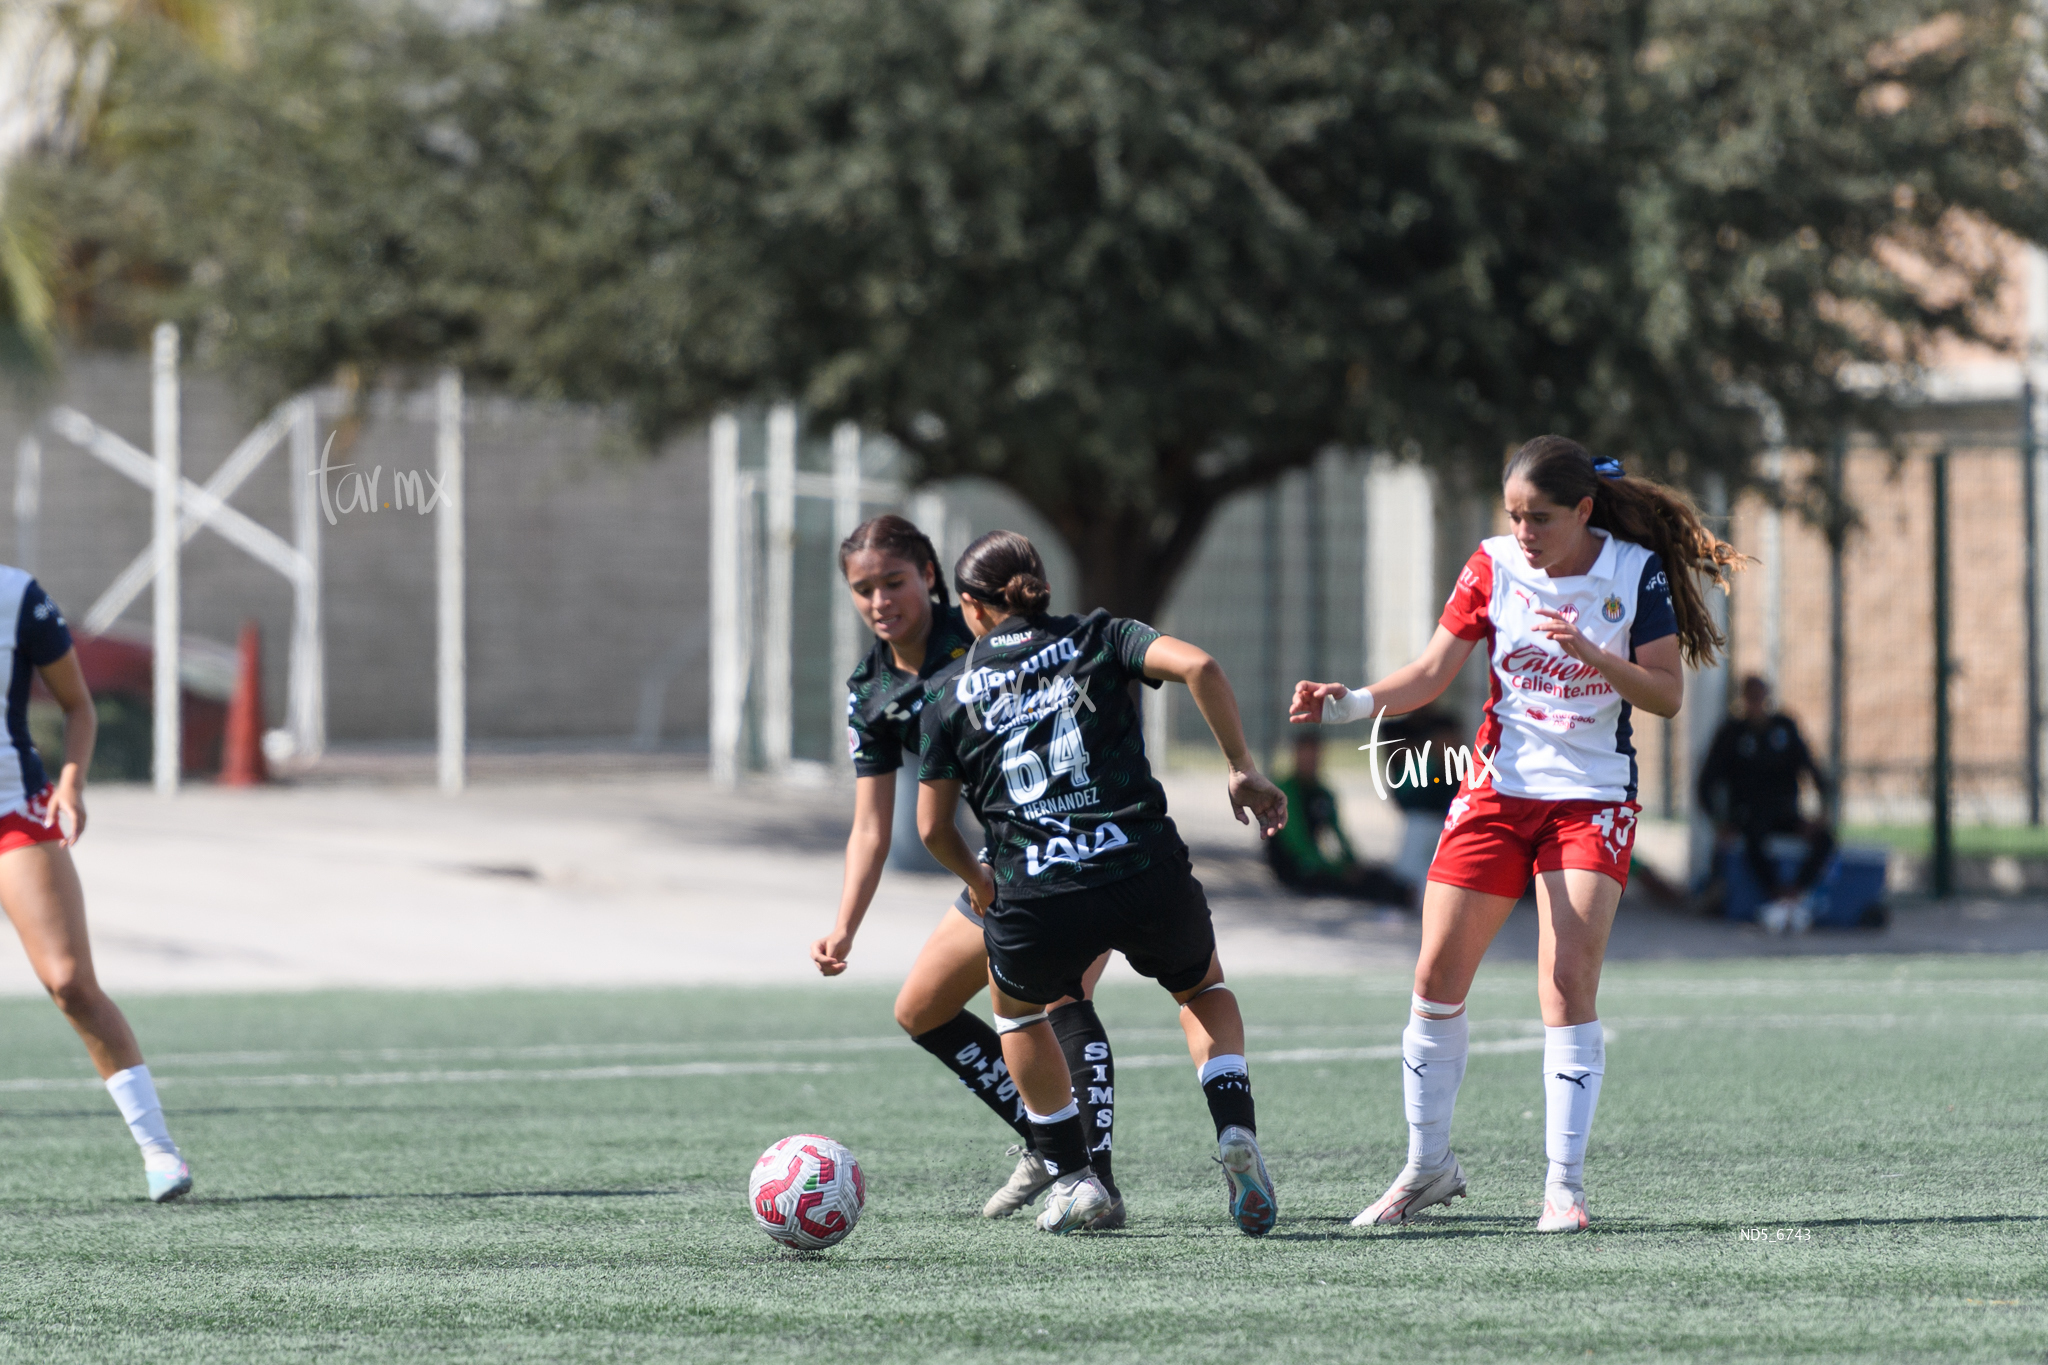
(807, 1192)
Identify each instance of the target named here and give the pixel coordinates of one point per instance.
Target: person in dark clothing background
(1311, 854)
(1424, 805)
(1750, 783)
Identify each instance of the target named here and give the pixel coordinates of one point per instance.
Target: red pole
(242, 752)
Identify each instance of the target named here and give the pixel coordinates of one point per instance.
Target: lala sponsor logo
(1071, 846)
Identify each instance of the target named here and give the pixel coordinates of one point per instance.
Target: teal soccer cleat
(1252, 1202)
(173, 1182)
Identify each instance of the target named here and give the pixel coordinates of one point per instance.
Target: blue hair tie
(1607, 467)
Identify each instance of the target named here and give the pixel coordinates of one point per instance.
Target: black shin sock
(1061, 1143)
(1094, 1072)
(971, 1050)
(1230, 1101)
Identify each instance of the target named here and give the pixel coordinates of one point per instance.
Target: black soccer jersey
(1038, 726)
(883, 702)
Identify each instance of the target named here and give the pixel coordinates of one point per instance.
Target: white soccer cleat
(1111, 1219)
(1411, 1193)
(1563, 1210)
(1074, 1201)
(1024, 1185)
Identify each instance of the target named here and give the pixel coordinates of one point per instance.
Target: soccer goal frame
(181, 509)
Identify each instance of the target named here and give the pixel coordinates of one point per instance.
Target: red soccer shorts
(25, 827)
(1495, 843)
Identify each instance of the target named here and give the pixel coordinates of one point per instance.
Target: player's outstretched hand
(831, 952)
(1253, 798)
(1309, 698)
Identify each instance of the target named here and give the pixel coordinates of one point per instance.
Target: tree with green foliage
(1126, 258)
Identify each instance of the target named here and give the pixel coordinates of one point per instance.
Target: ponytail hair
(1003, 570)
(899, 538)
(1646, 513)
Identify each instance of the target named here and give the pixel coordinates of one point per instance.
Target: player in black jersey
(897, 588)
(1037, 725)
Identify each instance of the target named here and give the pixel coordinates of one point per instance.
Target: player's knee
(915, 1015)
(1571, 984)
(73, 991)
(1432, 985)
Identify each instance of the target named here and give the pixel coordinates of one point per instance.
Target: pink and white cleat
(1563, 1210)
(1411, 1193)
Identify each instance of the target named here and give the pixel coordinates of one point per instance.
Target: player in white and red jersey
(1586, 611)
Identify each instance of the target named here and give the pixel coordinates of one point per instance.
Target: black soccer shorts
(1158, 919)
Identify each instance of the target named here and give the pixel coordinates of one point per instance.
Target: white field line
(494, 1076)
(583, 1051)
(500, 1075)
(1531, 1040)
(1386, 1052)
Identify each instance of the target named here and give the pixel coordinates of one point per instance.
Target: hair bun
(1027, 594)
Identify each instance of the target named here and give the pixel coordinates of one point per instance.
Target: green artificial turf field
(1814, 1159)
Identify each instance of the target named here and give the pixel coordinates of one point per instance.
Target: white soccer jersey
(1557, 729)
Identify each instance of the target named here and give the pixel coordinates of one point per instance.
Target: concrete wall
(586, 568)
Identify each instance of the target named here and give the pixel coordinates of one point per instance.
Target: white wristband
(1355, 704)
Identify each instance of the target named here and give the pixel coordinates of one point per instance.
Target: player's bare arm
(1655, 681)
(66, 681)
(937, 805)
(1410, 687)
(1252, 796)
(867, 849)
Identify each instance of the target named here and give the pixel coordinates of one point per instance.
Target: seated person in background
(1750, 784)
(1423, 806)
(1311, 854)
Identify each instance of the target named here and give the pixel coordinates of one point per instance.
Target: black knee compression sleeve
(972, 1051)
(1094, 1071)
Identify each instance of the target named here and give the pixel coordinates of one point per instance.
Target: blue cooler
(1850, 894)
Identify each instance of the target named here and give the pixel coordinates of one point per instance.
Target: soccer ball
(807, 1192)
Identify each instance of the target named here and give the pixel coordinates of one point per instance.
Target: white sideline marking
(582, 1073)
(1386, 1052)
(676, 1070)
(562, 1051)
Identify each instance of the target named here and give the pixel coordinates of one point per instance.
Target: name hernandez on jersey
(1037, 725)
(883, 703)
(1556, 729)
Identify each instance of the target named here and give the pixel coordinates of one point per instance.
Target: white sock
(1432, 1067)
(135, 1095)
(1222, 1066)
(1574, 1059)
